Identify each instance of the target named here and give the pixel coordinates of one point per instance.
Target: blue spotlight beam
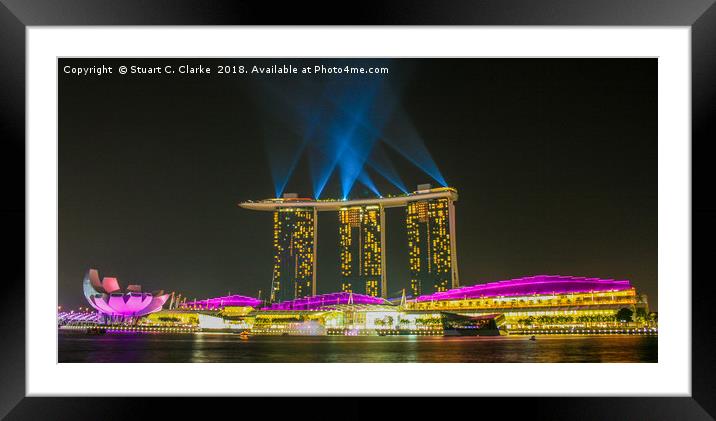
(281, 171)
(404, 138)
(341, 124)
(380, 162)
(323, 166)
(284, 151)
(365, 179)
(347, 147)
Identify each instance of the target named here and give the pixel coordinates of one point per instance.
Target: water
(201, 348)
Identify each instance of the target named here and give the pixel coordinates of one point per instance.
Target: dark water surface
(157, 348)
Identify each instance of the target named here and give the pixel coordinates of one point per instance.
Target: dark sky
(555, 161)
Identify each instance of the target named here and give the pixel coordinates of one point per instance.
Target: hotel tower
(294, 253)
(432, 256)
(430, 223)
(362, 244)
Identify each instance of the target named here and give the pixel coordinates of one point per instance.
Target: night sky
(555, 161)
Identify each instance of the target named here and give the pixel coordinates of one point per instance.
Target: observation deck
(337, 204)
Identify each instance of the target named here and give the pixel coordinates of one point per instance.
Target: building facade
(541, 304)
(431, 245)
(431, 233)
(362, 244)
(294, 260)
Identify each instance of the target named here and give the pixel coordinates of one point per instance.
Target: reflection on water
(230, 348)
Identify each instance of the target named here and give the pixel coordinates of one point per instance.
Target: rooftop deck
(336, 204)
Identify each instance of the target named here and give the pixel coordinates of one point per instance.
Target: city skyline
(159, 206)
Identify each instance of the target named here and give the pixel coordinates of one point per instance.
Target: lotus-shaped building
(110, 300)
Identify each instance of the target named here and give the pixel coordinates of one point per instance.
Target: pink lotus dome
(107, 297)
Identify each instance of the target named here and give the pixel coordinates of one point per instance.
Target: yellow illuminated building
(431, 246)
(294, 244)
(361, 249)
(570, 309)
(431, 236)
(554, 313)
(173, 318)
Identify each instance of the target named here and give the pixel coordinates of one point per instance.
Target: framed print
(463, 200)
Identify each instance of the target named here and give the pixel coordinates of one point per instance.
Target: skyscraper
(294, 245)
(362, 243)
(430, 221)
(432, 256)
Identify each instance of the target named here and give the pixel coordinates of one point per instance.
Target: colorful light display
(72, 317)
(107, 297)
(294, 244)
(430, 222)
(541, 304)
(221, 302)
(361, 248)
(431, 245)
(318, 301)
(532, 285)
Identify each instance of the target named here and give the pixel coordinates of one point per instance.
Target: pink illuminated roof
(318, 301)
(221, 302)
(532, 285)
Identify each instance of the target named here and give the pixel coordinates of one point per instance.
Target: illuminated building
(110, 301)
(218, 303)
(326, 300)
(432, 256)
(362, 244)
(294, 246)
(561, 303)
(543, 304)
(530, 286)
(362, 241)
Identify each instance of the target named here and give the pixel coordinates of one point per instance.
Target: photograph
(358, 210)
(487, 200)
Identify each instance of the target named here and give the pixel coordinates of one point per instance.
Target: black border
(15, 15)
